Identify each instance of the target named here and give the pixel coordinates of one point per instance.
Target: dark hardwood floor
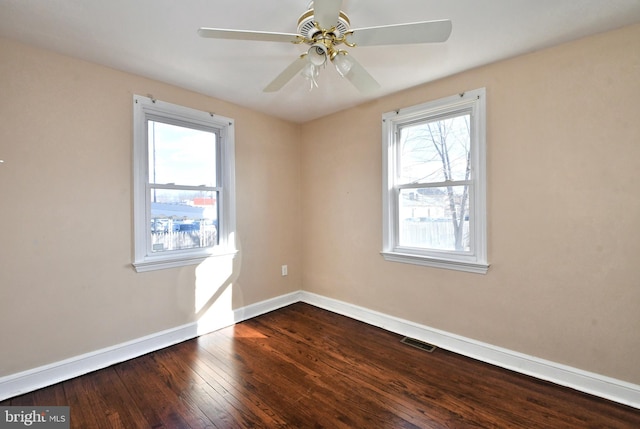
(303, 367)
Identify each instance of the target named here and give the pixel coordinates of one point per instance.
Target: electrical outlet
(284, 270)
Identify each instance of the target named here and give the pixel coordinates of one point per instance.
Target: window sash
(207, 237)
(214, 131)
(447, 222)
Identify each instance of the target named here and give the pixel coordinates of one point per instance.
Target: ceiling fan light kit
(324, 27)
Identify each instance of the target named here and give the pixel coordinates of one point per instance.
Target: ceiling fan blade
(416, 32)
(351, 70)
(326, 12)
(287, 74)
(264, 36)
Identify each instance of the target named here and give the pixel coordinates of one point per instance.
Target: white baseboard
(47, 375)
(594, 384)
(563, 375)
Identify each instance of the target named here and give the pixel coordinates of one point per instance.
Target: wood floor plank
(80, 407)
(53, 395)
(117, 405)
(304, 367)
(217, 367)
(159, 394)
(212, 399)
(269, 373)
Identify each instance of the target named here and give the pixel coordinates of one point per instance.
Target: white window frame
(475, 260)
(145, 109)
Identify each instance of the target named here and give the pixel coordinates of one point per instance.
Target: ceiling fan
(325, 27)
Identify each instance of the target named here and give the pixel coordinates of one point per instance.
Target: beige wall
(66, 283)
(563, 199)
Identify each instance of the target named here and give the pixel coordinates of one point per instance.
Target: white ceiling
(158, 39)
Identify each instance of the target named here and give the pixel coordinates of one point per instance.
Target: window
(434, 198)
(184, 196)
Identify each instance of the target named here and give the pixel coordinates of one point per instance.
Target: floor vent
(418, 344)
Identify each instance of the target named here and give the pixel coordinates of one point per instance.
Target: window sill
(469, 267)
(165, 263)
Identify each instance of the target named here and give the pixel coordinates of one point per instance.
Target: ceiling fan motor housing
(308, 29)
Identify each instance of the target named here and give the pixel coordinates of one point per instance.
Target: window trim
(476, 260)
(145, 108)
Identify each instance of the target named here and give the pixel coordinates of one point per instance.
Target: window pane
(180, 155)
(183, 219)
(435, 218)
(435, 151)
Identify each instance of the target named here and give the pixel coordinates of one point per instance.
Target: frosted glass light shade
(317, 54)
(343, 64)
